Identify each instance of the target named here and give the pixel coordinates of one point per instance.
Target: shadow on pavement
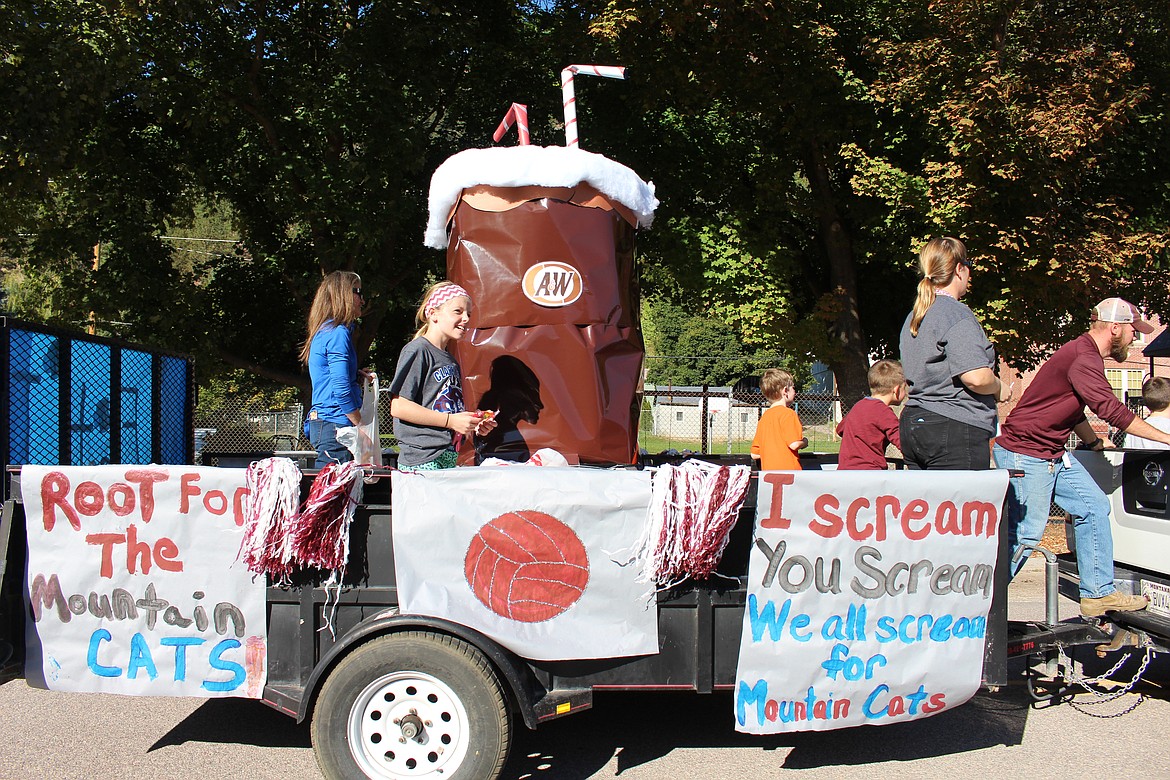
(643, 727)
(640, 728)
(237, 721)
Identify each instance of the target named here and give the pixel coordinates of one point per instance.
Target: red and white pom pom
(320, 537)
(693, 508)
(270, 510)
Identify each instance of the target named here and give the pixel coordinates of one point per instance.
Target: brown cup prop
(556, 344)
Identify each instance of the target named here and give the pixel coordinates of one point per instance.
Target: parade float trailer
(459, 605)
(812, 626)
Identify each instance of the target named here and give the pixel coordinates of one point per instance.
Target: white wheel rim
(400, 700)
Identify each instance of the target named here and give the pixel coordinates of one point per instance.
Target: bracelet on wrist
(448, 420)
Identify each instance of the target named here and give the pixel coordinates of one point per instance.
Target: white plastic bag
(545, 456)
(364, 440)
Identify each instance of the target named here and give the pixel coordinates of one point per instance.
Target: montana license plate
(1159, 596)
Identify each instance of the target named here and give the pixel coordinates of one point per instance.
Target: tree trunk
(850, 361)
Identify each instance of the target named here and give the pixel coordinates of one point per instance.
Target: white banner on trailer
(134, 585)
(528, 556)
(868, 597)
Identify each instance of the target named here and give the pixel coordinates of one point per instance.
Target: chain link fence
(237, 430)
(722, 420)
(76, 399)
(704, 419)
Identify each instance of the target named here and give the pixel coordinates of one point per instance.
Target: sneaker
(1115, 601)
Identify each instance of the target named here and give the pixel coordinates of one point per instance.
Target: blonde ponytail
(937, 263)
(923, 302)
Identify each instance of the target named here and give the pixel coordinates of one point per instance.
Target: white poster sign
(868, 597)
(529, 556)
(133, 582)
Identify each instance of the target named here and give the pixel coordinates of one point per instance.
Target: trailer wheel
(412, 705)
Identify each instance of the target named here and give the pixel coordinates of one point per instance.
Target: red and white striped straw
(605, 71)
(518, 113)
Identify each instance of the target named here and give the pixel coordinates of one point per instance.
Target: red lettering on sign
(775, 518)
(54, 493)
(915, 510)
(107, 542)
(139, 554)
(238, 504)
(145, 479)
(89, 498)
(127, 504)
(827, 522)
(187, 490)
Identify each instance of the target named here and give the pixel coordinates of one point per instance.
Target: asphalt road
(649, 735)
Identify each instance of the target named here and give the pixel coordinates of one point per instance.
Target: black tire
(383, 691)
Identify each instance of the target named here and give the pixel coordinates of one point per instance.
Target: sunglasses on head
(358, 292)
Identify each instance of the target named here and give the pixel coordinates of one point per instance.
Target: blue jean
(1066, 482)
(323, 437)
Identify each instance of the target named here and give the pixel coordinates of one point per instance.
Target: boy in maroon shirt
(871, 425)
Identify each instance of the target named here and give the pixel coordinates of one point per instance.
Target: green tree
(1040, 133)
(314, 127)
(685, 347)
(808, 149)
(802, 152)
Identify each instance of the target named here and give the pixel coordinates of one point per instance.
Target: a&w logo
(552, 284)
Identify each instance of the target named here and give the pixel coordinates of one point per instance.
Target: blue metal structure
(74, 399)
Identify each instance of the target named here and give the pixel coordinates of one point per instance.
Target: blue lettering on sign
(851, 666)
(919, 628)
(181, 643)
(756, 694)
(140, 658)
(910, 704)
(95, 639)
(870, 700)
(811, 707)
(938, 632)
(768, 620)
(217, 662)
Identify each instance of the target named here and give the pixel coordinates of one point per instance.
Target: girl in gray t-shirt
(426, 391)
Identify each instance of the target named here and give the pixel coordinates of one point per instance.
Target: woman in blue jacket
(332, 360)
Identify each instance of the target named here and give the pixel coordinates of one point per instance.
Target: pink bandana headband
(442, 294)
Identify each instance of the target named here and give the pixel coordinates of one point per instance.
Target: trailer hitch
(1051, 580)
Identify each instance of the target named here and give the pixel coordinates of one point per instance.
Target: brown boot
(1115, 601)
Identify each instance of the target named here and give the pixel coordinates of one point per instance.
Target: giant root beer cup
(543, 240)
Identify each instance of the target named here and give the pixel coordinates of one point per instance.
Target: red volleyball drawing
(527, 566)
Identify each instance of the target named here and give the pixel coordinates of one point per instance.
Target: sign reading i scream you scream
(868, 597)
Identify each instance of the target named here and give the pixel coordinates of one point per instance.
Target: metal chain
(1102, 698)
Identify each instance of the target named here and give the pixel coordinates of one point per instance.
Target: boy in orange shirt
(779, 435)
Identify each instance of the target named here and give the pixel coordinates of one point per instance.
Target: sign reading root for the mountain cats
(133, 582)
(868, 597)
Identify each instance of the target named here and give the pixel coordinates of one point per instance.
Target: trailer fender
(521, 684)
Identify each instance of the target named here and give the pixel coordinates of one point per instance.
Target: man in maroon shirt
(1032, 440)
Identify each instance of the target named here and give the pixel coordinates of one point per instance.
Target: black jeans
(931, 441)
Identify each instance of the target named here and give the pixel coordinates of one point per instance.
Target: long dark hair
(335, 300)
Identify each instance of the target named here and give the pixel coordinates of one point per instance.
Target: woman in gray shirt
(950, 413)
